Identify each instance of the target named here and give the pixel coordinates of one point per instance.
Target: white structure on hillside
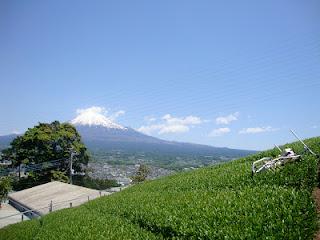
(51, 196)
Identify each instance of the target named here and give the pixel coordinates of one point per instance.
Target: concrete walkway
(8, 210)
(39, 198)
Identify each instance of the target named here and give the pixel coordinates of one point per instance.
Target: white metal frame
(269, 163)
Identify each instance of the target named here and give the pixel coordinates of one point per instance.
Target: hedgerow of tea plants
(218, 202)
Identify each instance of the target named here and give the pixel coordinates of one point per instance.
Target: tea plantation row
(219, 202)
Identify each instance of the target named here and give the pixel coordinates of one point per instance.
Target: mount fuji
(100, 133)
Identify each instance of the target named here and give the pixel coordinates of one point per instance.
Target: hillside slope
(219, 202)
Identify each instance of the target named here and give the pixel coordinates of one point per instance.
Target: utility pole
(19, 171)
(71, 158)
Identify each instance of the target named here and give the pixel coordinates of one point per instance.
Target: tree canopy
(5, 188)
(46, 142)
(141, 174)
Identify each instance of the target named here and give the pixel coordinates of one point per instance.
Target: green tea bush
(218, 202)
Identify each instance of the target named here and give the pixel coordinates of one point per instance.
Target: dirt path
(316, 196)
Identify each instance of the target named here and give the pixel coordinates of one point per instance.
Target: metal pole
(22, 217)
(71, 157)
(278, 147)
(50, 206)
(305, 145)
(71, 205)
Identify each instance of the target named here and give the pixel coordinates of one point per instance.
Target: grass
(219, 202)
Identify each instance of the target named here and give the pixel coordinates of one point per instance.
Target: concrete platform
(7, 211)
(39, 198)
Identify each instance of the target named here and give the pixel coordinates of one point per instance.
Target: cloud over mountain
(254, 130)
(170, 124)
(219, 132)
(227, 119)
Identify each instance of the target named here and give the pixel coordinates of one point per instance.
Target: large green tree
(5, 188)
(46, 142)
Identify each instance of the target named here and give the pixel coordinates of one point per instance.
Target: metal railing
(54, 205)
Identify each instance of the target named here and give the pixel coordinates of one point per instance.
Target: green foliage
(219, 202)
(99, 184)
(46, 142)
(59, 176)
(42, 144)
(141, 174)
(5, 188)
(32, 180)
(27, 230)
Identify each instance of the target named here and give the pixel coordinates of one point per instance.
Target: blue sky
(173, 67)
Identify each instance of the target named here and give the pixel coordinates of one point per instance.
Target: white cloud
(149, 119)
(150, 129)
(174, 129)
(227, 119)
(315, 126)
(254, 130)
(93, 109)
(219, 132)
(189, 120)
(117, 114)
(169, 124)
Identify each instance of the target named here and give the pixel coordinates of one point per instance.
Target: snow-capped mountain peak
(94, 116)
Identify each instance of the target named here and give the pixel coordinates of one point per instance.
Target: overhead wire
(157, 97)
(217, 100)
(223, 93)
(226, 66)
